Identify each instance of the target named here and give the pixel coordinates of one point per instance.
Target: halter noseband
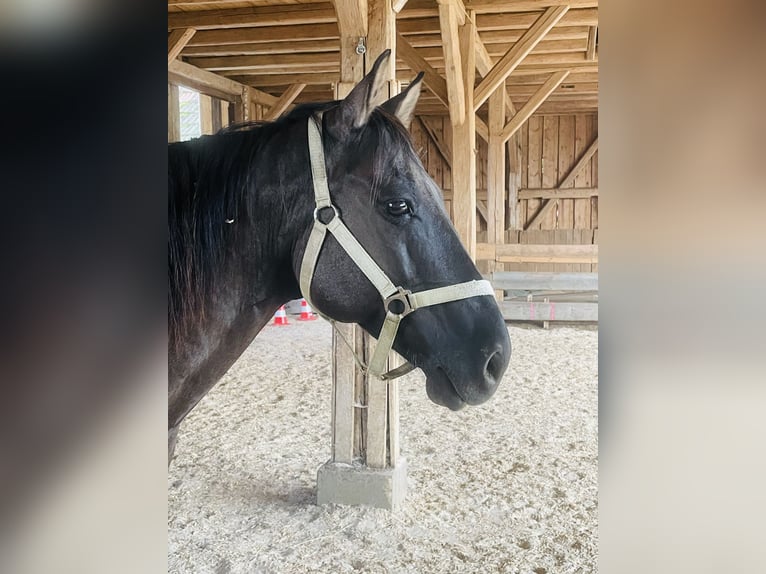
(397, 301)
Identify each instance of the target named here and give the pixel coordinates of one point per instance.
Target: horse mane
(210, 183)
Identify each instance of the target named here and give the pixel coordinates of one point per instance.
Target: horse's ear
(355, 109)
(403, 104)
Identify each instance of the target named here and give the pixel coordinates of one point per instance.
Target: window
(189, 111)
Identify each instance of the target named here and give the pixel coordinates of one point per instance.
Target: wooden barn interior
(533, 202)
(507, 126)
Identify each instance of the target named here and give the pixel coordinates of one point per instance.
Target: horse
(249, 210)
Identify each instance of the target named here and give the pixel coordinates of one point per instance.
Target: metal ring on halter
(318, 209)
(402, 295)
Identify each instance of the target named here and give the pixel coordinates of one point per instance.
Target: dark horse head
(241, 212)
(392, 206)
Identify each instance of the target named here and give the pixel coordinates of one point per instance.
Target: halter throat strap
(397, 301)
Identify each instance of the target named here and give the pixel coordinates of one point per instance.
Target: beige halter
(409, 302)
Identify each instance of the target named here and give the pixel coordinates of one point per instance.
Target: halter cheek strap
(397, 301)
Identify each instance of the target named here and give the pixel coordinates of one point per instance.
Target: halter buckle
(402, 295)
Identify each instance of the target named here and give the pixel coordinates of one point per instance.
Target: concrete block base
(356, 485)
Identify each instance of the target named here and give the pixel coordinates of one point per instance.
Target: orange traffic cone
(306, 313)
(281, 317)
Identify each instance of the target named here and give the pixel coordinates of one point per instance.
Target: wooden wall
(550, 147)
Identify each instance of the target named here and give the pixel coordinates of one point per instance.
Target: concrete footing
(356, 485)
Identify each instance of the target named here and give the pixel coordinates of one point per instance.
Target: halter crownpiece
(397, 301)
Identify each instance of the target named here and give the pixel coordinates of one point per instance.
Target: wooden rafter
(417, 63)
(255, 16)
(517, 53)
(482, 129)
(484, 65)
(532, 104)
(177, 40)
(546, 208)
(506, 6)
(284, 101)
(448, 24)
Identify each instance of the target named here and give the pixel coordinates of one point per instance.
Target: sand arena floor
(510, 486)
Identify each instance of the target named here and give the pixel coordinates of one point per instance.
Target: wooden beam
(517, 53)
(509, 6)
(284, 101)
(496, 169)
(535, 253)
(464, 146)
(581, 163)
(417, 63)
(177, 40)
(174, 117)
(482, 129)
(441, 145)
(557, 193)
(207, 82)
(532, 104)
(452, 60)
(481, 209)
(397, 5)
(255, 16)
(262, 98)
(548, 311)
(544, 281)
(484, 65)
(352, 16)
(590, 52)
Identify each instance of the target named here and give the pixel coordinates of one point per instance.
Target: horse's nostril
(495, 365)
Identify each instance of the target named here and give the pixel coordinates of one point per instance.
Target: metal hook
(360, 47)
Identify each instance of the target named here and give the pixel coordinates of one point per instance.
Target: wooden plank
(177, 40)
(565, 219)
(452, 61)
(533, 103)
(417, 63)
(377, 422)
(541, 311)
(343, 366)
(544, 281)
(537, 253)
(174, 114)
(535, 164)
(496, 174)
(556, 193)
(261, 16)
(594, 177)
(464, 147)
(481, 209)
(550, 170)
(203, 81)
(517, 53)
(284, 101)
(506, 6)
(590, 51)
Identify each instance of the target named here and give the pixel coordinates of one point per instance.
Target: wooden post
(174, 114)
(365, 410)
(464, 144)
(496, 171)
(514, 180)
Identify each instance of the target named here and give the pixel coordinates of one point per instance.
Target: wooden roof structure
(289, 50)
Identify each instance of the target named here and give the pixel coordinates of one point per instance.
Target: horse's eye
(398, 207)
